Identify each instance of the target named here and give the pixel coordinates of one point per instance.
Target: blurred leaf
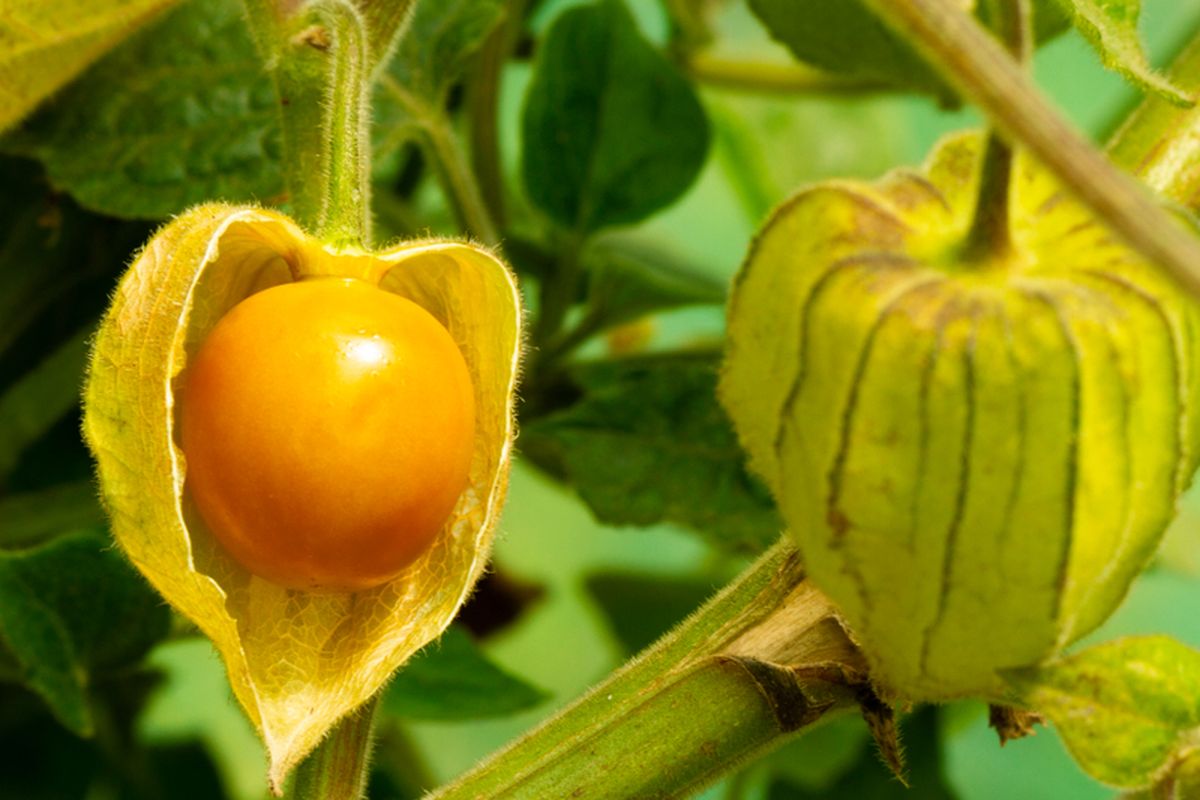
(435, 52)
(48, 248)
(845, 38)
(44, 45)
(842, 36)
(1050, 19)
(439, 45)
(1111, 27)
(648, 443)
(35, 402)
(186, 770)
(1124, 709)
(182, 112)
(640, 608)
(870, 779)
(30, 517)
(452, 679)
(611, 132)
(398, 769)
(630, 279)
(193, 702)
(769, 146)
(42, 760)
(70, 608)
(823, 756)
(42, 648)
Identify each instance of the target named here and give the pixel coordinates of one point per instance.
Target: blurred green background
(765, 147)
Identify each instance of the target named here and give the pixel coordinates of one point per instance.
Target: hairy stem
(971, 59)
(728, 683)
(319, 59)
(337, 769)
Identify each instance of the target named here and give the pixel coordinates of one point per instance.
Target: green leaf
(440, 43)
(845, 38)
(71, 608)
(49, 248)
(647, 443)
(1125, 709)
(611, 132)
(1050, 19)
(42, 759)
(452, 680)
(44, 45)
(31, 517)
(181, 113)
(1110, 26)
(842, 36)
(434, 53)
(641, 608)
(41, 397)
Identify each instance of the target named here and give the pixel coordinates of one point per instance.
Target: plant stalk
(727, 684)
(319, 59)
(979, 66)
(990, 235)
(337, 769)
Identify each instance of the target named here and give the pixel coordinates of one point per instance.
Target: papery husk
(976, 458)
(297, 661)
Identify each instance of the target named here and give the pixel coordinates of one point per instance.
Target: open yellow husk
(297, 661)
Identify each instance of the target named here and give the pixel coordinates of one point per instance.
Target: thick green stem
(320, 61)
(971, 59)
(337, 769)
(990, 234)
(728, 683)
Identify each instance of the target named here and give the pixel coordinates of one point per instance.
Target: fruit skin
(976, 453)
(328, 428)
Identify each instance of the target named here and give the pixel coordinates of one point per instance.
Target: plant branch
(441, 146)
(483, 104)
(971, 59)
(728, 683)
(337, 769)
